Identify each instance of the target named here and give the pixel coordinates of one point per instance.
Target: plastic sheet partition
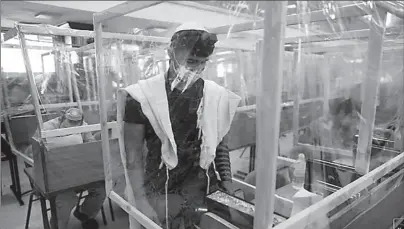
(137, 56)
(54, 60)
(345, 63)
(339, 74)
(61, 74)
(354, 133)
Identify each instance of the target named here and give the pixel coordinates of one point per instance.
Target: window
(221, 71)
(12, 60)
(230, 67)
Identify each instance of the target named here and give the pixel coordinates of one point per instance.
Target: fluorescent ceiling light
(224, 53)
(389, 19)
(157, 29)
(94, 6)
(292, 6)
(46, 16)
(43, 16)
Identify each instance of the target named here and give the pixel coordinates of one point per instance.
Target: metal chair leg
(111, 210)
(104, 218)
(54, 223)
(44, 213)
(31, 197)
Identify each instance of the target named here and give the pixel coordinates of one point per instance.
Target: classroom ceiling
(151, 18)
(59, 12)
(210, 13)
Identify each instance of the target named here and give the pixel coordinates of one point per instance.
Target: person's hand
(144, 207)
(228, 187)
(234, 215)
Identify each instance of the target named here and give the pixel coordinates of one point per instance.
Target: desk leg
(15, 178)
(111, 210)
(252, 159)
(54, 221)
(44, 213)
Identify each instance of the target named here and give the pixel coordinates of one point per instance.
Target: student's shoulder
(51, 124)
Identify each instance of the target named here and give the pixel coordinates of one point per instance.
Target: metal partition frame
(273, 41)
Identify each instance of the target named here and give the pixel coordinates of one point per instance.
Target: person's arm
(222, 162)
(134, 139)
(87, 136)
(52, 124)
(134, 136)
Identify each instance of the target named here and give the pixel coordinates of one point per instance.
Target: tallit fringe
(166, 192)
(199, 112)
(199, 124)
(204, 146)
(208, 179)
(216, 172)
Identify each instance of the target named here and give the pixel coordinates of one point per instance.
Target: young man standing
(183, 119)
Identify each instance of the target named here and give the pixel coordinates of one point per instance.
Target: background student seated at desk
(336, 130)
(67, 200)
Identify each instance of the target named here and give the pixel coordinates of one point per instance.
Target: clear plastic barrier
(61, 75)
(185, 99)
(160, 74)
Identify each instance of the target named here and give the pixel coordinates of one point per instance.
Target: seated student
(71, 118)
(18, 92)
(67, 200)
(335, 130)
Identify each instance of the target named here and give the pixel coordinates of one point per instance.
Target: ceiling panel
(23, 11)
(179, 14)
(94, 6)
(165, 15)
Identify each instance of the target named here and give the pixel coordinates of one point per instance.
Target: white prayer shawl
(215, 115)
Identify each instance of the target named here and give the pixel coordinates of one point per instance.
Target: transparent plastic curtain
(345, 70)
(63, 77)
(15, 83)
(324, 70)
(339, 68)
(327, 68)
(17, 95)
(128, 61)
(54, 62)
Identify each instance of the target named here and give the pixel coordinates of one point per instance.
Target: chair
(35, 193)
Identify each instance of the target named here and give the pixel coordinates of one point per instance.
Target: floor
(12, 216)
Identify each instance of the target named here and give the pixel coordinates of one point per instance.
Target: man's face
(69, 123)
(193, 63)
(347, 126)
(17, 96)
(188, 68)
